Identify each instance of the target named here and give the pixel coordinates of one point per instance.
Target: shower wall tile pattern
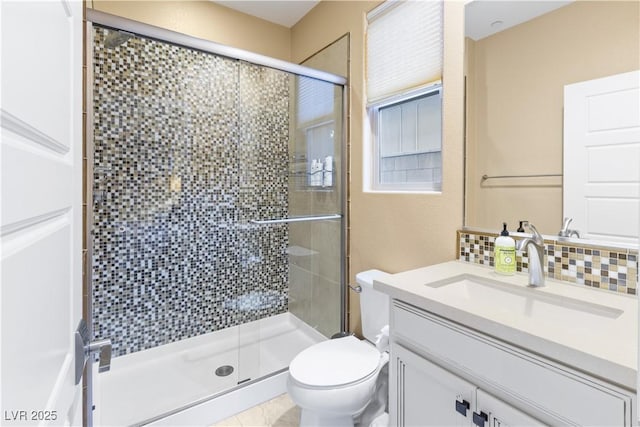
(590, 265)
(188, 148)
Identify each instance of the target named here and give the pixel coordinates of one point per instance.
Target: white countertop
(603, 346)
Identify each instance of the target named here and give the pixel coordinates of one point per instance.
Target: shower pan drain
(225, 370)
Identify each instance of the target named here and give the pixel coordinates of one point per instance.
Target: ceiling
(482, 17)
(486, 17)
(283, 12)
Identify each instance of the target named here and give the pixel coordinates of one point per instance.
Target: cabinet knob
(462, 407)
(480, 419)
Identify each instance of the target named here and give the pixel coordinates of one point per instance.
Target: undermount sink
(468, 290)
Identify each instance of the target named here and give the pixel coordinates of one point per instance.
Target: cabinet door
(423, 394)
(498, 413)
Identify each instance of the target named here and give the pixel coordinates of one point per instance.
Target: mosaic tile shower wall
(590, 265)
(188, 148)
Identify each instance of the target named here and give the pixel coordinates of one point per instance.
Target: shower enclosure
(216, 215)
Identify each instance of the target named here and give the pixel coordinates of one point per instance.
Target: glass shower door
(263, 107)
(315, 247)
(290, 168)
(164, 242)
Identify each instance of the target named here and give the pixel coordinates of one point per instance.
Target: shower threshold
(145, 385)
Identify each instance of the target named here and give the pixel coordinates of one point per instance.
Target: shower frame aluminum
(179, 39)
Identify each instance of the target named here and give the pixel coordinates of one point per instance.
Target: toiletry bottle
(504, 256)
(313, 177)
(327, 178)
(317, 174)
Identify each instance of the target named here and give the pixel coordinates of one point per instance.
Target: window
(404, 93)
(408, 149)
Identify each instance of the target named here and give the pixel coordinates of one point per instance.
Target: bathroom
(385, 231)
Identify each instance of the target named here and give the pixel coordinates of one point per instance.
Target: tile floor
(278, 412)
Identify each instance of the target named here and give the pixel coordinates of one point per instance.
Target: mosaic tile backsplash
(188, 148)
(599, 267)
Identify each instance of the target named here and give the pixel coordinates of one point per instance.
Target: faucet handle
(537, 237)
(565, 231)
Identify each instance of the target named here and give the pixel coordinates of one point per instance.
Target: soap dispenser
(504, 255)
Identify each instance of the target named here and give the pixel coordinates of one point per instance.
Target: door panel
(599, 221)
(27, 195)
(35, 330)
(41, 210)
(427, 394)
(624, 157)
(39, 44)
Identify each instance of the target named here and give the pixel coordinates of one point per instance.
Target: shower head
(116, 37)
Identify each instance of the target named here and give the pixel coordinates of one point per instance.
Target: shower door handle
(296, 219)
(85, 348)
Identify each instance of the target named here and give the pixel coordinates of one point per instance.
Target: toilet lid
(335, 362)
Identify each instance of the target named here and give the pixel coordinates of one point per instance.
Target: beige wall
(515, 82)
(393, 232)
(206, 20)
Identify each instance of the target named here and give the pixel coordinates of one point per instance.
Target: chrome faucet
(565, 231)
(534, 246)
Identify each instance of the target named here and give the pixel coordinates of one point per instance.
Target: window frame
(373, 111)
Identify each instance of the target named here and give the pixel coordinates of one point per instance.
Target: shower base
(173, 383)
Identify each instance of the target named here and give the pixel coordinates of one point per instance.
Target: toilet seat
(335, 363)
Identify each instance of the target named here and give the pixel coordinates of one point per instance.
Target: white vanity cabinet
(445, 374)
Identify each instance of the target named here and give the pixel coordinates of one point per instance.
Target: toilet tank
(374, 305)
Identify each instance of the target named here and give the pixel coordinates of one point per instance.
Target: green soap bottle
(504, 255)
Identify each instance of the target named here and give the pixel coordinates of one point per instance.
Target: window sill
(391, 191)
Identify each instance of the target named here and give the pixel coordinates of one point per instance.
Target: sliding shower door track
(204, 400)
(162, 34)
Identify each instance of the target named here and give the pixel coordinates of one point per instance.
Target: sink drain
(225, 370)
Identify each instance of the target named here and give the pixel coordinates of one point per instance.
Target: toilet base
(313, 419)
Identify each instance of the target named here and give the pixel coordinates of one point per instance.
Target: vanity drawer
(540, 386)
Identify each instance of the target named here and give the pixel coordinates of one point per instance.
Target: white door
(41, 211)
(602, 157)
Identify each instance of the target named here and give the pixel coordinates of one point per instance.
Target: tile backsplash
(614, 269)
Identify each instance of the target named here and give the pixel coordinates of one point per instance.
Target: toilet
(334, 381)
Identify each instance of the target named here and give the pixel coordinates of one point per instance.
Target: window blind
(315, 99)
(404, 47)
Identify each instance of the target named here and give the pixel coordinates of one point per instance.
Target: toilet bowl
(334, 381)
